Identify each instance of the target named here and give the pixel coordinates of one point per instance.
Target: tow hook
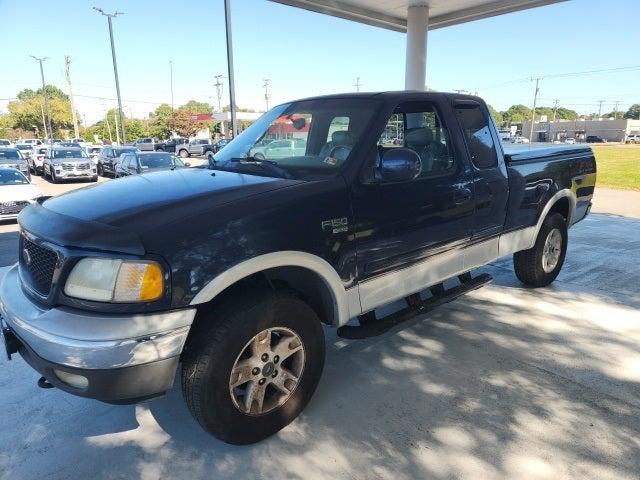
(44, 383)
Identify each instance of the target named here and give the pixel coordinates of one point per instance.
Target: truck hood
(114, 215)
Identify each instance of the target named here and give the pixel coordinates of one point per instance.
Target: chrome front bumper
(87, 340)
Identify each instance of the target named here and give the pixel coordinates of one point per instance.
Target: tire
(54, 179)
(530, 264)
(159, 149)
(94, 179)
(100, 169)
(183, 153)
(215, 347)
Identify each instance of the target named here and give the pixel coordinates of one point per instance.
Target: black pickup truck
(229, 271)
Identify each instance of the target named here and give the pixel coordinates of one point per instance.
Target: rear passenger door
(491, 185)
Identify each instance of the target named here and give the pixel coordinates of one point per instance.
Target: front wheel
(100, 170)
(252, 365)
(540, 265)
(183, 153)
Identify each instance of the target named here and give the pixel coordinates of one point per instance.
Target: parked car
(519, 139)
(170, 145)
(93, 152)
(16, 192)
(633, 138)
(109, 157)
(70, 144)
(145, 162)
(195, 147)
(65, 163)
(32, 141)
(25, 149)
(13, 158)
(231, 270)
(281, 149)
(595, 139)
(145, 144)
(5, 143)
(36, 159)
(220, 144)
(570, 141)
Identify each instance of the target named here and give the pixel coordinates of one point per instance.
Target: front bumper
(125, 358)
(88, 173)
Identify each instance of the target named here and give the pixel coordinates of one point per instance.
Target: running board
(372, 327)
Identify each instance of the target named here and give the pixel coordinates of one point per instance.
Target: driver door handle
(462, 195)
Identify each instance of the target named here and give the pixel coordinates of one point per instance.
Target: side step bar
(372, 327)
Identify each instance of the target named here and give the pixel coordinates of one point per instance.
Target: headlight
(114, 280)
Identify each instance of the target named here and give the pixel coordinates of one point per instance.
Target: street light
(44, 92)
(115, 65)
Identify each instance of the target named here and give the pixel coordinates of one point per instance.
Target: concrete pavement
(506, 382)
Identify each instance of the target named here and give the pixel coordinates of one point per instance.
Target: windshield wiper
(267, 165)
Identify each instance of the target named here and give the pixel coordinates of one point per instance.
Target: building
(605, 128)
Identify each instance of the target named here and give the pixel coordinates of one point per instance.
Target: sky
(305, 53)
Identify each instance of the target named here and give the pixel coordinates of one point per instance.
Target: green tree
(160, 122)
(616, 115)
(516, 114)
(497, 116)
(135, 129)
(633, 112)
(27, 110)
(197, 107)
(566, 114)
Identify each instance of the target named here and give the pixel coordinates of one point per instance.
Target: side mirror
(399, 165)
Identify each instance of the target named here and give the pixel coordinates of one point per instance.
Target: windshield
(157, 160)
(24, 147)
(69, 153)
(305, 139)
(12, 177)
(9, 156)
(118, 152)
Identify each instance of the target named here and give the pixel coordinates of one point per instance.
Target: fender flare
(289, 258)
(564, 193)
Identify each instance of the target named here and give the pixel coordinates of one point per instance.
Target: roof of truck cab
(393, 95)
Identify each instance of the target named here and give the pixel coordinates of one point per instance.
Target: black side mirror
(399, 165)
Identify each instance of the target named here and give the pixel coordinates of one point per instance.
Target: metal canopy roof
(392, 14)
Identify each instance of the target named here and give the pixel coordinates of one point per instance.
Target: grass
(618, 166)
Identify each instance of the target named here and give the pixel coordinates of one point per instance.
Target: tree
(633, 112)
(566, 114)
(517, 114)
(52, 92)
(616, 115)
(184, 123)
(497, 116)
(135, 129)
(27, 110)
(160, 122)
(197, 107)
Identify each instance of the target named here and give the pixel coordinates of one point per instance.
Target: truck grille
(77, 166)
(39, 264)
(12, 208)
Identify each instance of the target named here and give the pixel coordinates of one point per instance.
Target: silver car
(12, 158)
(64, 163)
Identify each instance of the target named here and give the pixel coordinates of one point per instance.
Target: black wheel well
(563, 207)
(302, 282)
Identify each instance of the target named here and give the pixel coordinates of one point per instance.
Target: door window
(475, 126)
(418, 126)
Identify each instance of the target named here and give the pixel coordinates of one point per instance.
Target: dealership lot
(504, 382)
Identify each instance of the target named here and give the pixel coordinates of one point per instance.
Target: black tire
(159, 149)
(100, 169)
(212, 351)
(528, 264)
(54, 179)
(94, 179)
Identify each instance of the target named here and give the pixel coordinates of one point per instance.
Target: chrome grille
(12, 208)
(39, 264)
(77, 166)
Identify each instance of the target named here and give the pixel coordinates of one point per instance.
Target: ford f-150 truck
(228, 272)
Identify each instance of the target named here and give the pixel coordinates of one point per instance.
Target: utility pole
(358, 84)
(67, 75)
(600, 102)
(106, 119)
(267, 91)
(44, 122)
(219, 86)
(615, 109)
(555, 109)
(115, 118)
(115, 66)
(232, 85)
(533, 112)
(44, 93)
(171, 80)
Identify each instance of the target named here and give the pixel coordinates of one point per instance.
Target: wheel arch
(563, 202)
(310, 276)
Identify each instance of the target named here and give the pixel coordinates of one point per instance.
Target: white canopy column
(416, 52)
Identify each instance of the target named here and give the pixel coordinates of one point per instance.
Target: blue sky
(305, 54)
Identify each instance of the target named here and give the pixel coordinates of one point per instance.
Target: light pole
(171, 80)
(267, 91)
(219, 86)
(44, 92)
(232, 85)
(357, 84)
(115, 65)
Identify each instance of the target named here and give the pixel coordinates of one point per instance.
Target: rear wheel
(183, 153)
(252, 365)
(540, 265)
(100, 170)
(54, 178)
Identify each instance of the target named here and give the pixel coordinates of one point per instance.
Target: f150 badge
(336, 225)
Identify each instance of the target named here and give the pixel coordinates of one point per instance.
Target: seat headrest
(418, 136)
(342, 137)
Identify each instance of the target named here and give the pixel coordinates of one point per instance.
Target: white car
(36, 159)
(633, 138)
(570, 141)
(5, 143)
(32, 141)
(519, 139)
(279, 149)
(16, 192)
